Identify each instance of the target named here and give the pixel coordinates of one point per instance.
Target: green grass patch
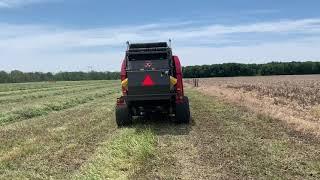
(55, 146)
(33, 85)
(48, 93)
(24, 92)
(44, 109)
(121, 157)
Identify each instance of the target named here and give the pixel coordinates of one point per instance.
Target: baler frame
(174, 102)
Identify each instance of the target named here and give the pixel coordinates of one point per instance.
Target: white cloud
(281, 51)
(33, 47)
(43, 37)
(17, 3)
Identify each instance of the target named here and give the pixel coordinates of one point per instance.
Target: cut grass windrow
(122, 156)
(56, 145)
(38, 95)
(9, 107)
(44, 109)
(38, 85)
(52, 88)
(34, 90)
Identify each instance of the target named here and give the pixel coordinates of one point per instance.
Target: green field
(66, 130)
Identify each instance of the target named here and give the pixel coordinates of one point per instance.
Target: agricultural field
(67, 130)
(293, 99)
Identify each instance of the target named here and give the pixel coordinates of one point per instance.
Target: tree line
(214, 70)
(19, 77)
(237, 69)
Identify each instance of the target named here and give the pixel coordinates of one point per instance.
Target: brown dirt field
(292, 99)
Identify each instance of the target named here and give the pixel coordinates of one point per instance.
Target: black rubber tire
(183, 111)
(123, 116)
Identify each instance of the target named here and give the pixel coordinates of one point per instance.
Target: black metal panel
(148, 45)
(147, 56)
(148, 65)
(149, 50)
(153, 97)
(160, 78)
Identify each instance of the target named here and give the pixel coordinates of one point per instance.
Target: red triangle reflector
(147, 81)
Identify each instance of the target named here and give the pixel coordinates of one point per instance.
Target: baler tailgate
(148, 82)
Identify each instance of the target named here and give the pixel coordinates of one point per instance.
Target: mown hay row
(39, 110)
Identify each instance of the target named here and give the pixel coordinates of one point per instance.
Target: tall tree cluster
(19, 77)
(236, 69)
(214, 70)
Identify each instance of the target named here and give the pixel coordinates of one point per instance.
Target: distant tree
(4, 77)
(236, 69)
(214, 70)
(17, 76)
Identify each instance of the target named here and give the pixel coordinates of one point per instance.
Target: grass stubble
(74, 139)
(225, 141)
(123, 156)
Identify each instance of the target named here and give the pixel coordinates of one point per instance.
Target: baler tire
(188, 108)
(123, 116)
(183, 112)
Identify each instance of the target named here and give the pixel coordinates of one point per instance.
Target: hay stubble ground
(72, 134)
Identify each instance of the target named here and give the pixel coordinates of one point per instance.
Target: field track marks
(55, 145)
(226, 142)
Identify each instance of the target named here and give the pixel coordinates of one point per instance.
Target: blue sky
(73, 35)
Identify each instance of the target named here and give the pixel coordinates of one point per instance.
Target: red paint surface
(179, 85)
(123, 72)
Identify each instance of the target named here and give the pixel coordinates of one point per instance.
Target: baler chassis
(152, 85)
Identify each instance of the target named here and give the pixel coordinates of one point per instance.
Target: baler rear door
(153, 82)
